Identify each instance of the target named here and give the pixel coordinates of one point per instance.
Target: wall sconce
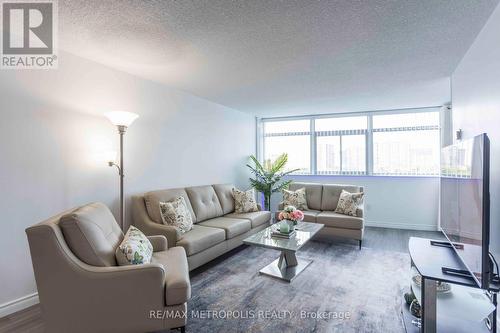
(122, 120)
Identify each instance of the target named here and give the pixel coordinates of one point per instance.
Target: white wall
(391, 202)
(476, 105)
(52, 139)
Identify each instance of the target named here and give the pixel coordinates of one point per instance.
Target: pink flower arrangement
(291, 213)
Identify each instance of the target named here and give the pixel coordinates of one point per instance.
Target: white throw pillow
(349, 203)
(176, 214)
(244, 201)
(135, 248)
(295, 198)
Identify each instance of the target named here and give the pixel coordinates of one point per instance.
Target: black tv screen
(465, 203)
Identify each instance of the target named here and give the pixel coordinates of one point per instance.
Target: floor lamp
(122, 120)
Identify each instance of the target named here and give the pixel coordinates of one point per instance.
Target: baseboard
(408, 226)
(18, 304)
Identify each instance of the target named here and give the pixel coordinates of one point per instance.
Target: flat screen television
(465, 203)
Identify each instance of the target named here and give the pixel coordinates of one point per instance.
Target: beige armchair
(81, 288)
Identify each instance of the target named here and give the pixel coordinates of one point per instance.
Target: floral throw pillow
(349, 203)
(135, 248)
(295, 198)
(244, 201)
(176, 214)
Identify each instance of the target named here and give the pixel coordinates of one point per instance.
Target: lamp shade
(121, 118)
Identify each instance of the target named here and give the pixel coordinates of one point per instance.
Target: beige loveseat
(81, 288)
(217, 228)
(322, 200)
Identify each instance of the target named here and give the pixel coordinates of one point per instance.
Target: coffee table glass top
(304, 231)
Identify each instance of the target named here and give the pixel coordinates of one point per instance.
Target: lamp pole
(121, 130)
(121, 120)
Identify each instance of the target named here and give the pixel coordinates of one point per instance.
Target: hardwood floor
(394, 239)
(30, 319)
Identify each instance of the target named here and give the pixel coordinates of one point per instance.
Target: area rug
(343, 290)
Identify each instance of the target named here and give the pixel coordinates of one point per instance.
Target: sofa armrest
(144, 223)
(360, 211)
(153, 273)
(159, 242)
(106, 285)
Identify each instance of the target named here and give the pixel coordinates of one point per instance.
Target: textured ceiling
(283, 57)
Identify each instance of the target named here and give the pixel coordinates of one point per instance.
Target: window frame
(300, 133)
(369, 144)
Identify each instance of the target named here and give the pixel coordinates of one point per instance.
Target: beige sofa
(322, 200)
(81, 288)
(217, 229)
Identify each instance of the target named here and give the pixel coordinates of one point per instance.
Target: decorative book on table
(279, 234)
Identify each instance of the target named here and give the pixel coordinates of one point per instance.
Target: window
(341, 145)
(373, 143)
(341, 124)
(292, 137)
(406, 144)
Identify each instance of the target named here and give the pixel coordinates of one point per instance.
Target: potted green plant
(269, 177)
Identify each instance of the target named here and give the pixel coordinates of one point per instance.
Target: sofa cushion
(256, 218)
(177, 284)
(314, 193)
(205, 202)
(232, 226)
(331, 194)
(349, 203)
(310, 215)
(153, 199)
(225, 194)
(332, 219)
(135, 249)
(295, 198)
(244, 201)
(176, 214)
(92, 234)
(201, 238)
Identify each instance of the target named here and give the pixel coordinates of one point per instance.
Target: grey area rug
(364, 287)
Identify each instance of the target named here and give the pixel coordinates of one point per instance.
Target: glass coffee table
(287, 266)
